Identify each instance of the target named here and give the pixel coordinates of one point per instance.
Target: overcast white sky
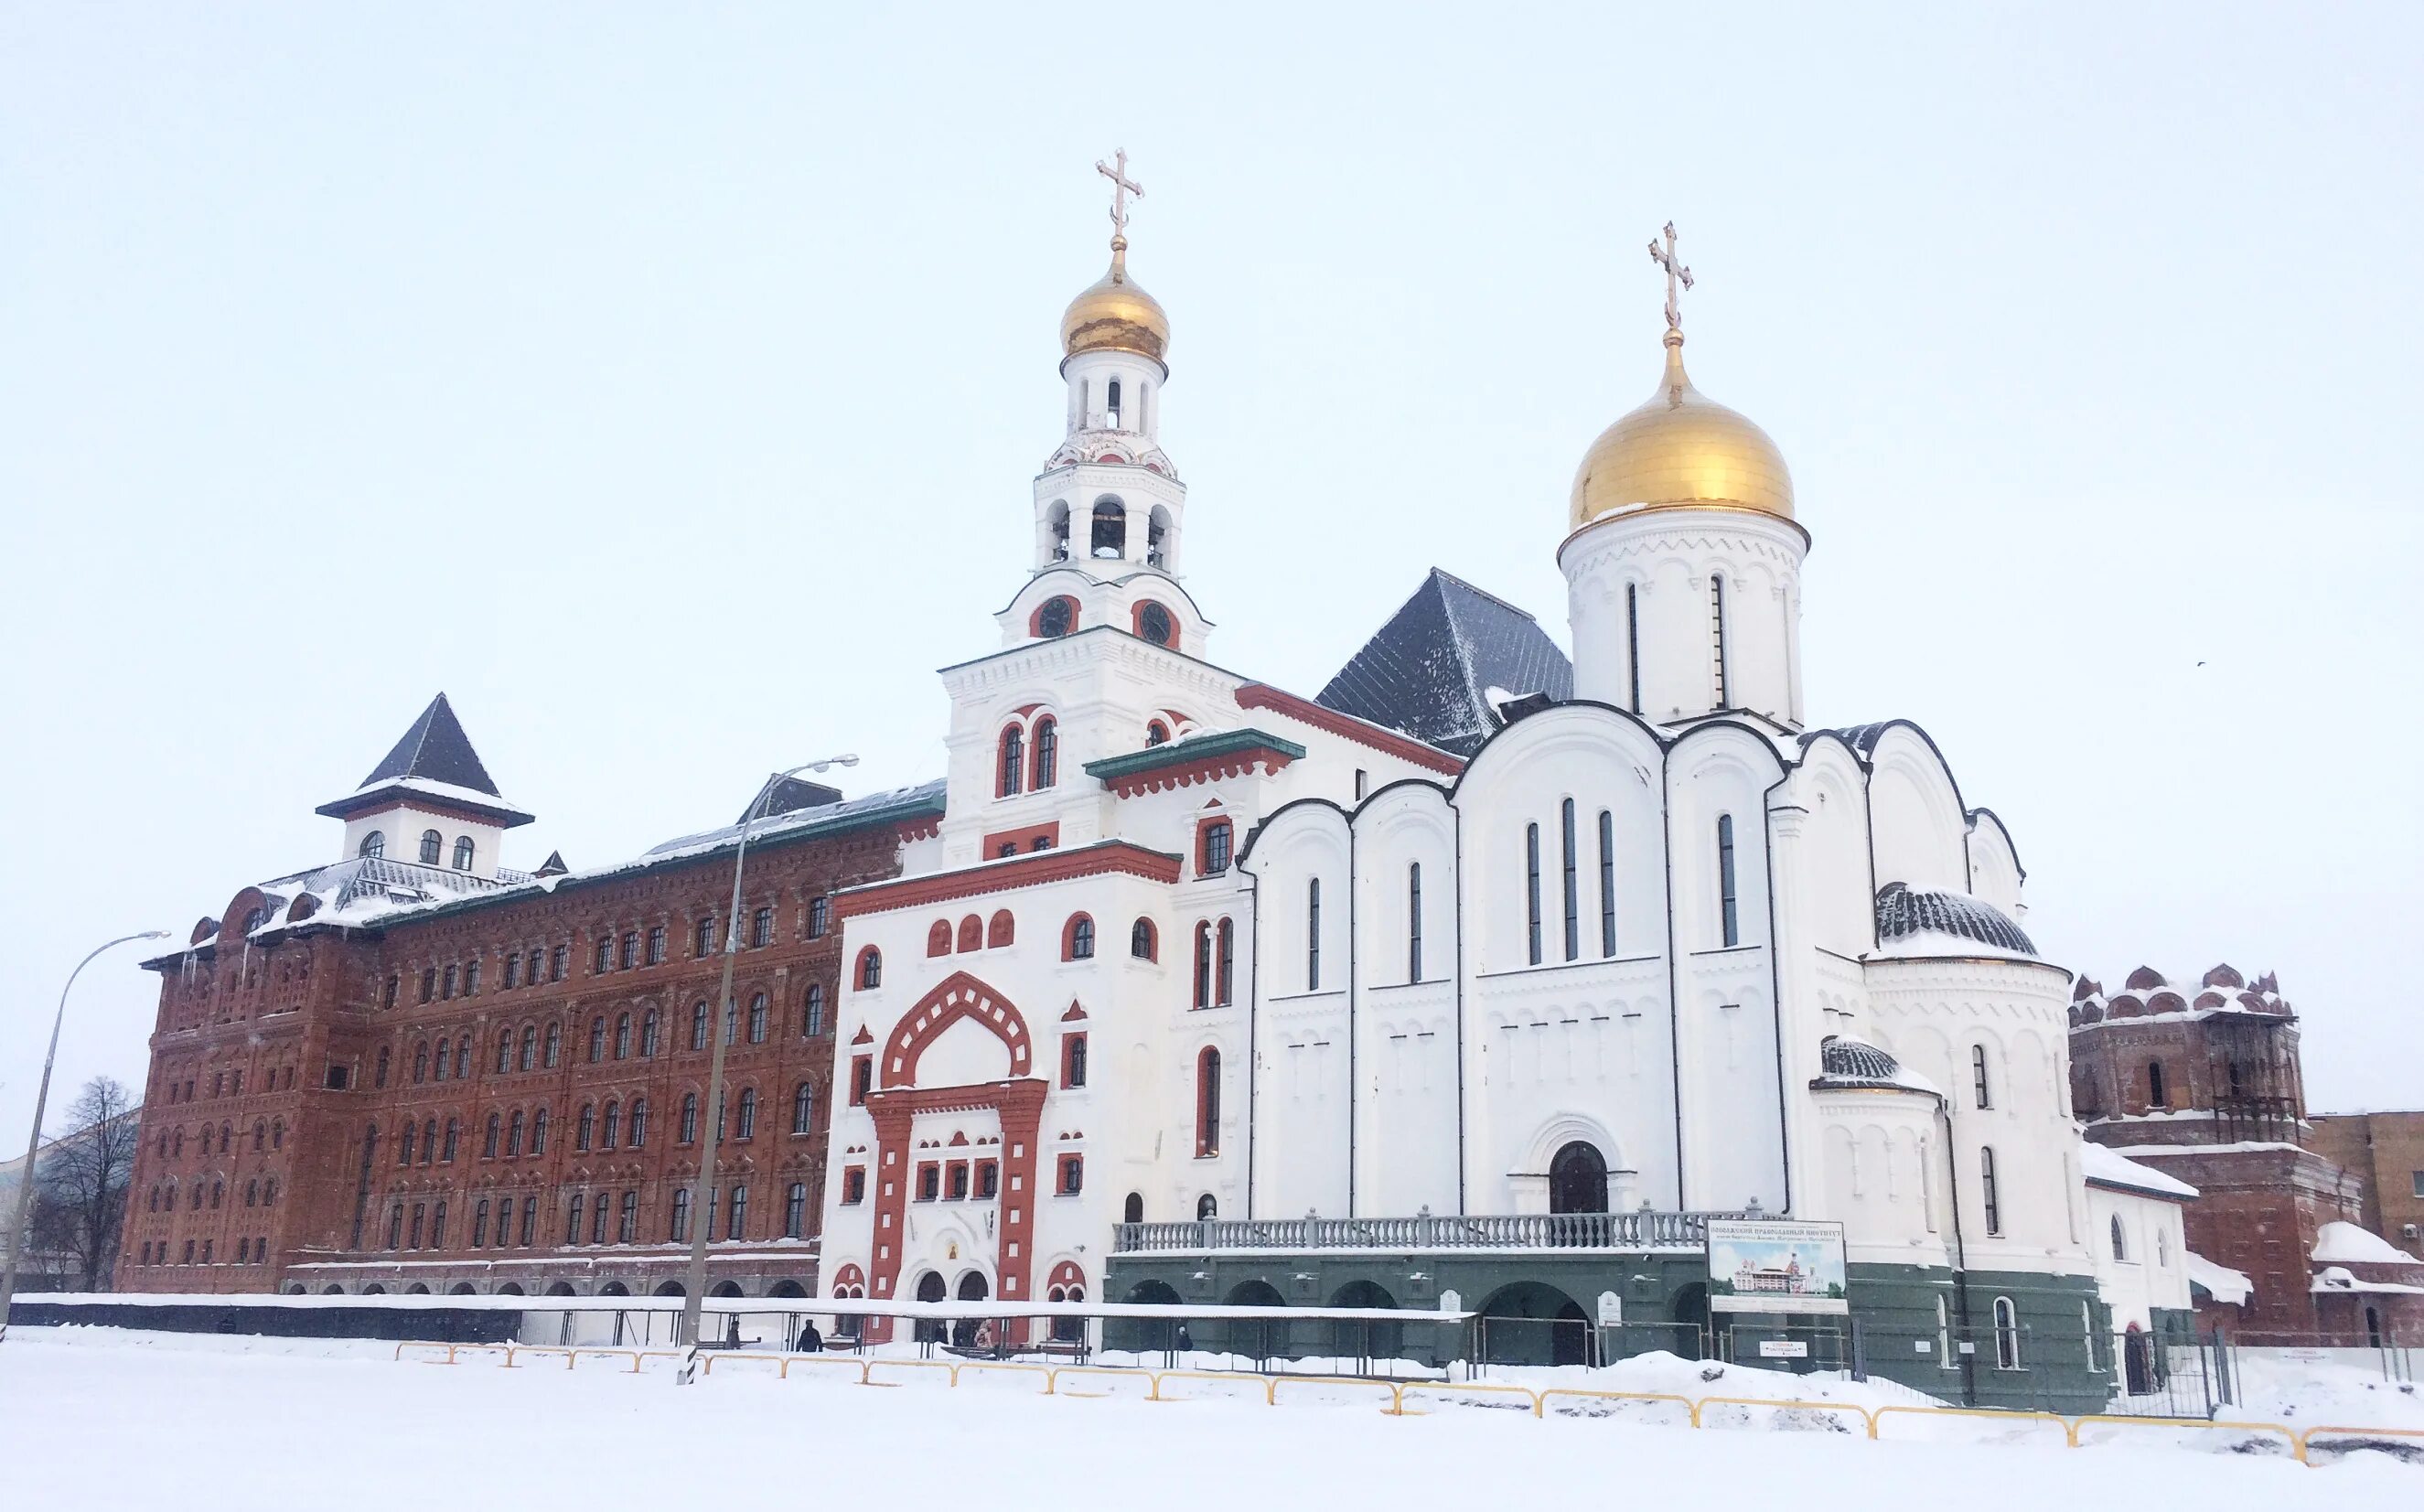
(665, 383)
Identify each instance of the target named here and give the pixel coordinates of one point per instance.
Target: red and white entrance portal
(897, 1103)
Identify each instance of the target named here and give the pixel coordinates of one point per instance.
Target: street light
(695, 1290)
(34, 1142)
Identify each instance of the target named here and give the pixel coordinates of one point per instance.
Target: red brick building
(2203, 1083)
(413, 1069)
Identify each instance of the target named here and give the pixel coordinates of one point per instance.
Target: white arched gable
(1301, 843)
(1918, 828)
(1995, 872)
(1833, 791)
(1719, 770)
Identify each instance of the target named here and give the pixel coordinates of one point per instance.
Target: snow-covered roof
(1437, 668)
(1920, 921)
(1846, 1063)
(2107, 1166)
(2345, 1244)
(435, 760)
(2341, 1279)
(2148, 993)
(2223, 1285)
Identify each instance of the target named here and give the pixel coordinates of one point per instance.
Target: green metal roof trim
(1194, 748)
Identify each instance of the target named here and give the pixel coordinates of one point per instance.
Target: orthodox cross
(1676, 272)
(1122, 186)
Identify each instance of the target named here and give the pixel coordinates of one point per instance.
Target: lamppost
(719, 1030)
(34, 1141)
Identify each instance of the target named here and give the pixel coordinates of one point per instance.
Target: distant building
(2384, 1154)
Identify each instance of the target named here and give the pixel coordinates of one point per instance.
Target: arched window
(623, 1037)
(1157, 733)
(513, 1134)
(1224, 962)
(1047, 754)
(870, 968)
(421, 1063)
(698, 1025)
(1578, 1179)
(1717, 636)
(404, 1155)
(2007, 1334)
(758, 1019)
(1218, 843)
(505, 1051)
(538, 1132)
(572, 1224)
(480, 1224)
(431, 843)
(1011, 775)
(1989, 1197)
(453, 1137)
(1204, 964)
(678, 1229)
(597, 1039)
(1109, 536)
(639, 1122)
(971, 933)
(1077, 939)
(1141, 940)
(1415, 922)
(812, 1012)
(938, 938)
(374, 844)
(1729, 907)
(462, 852)
(530, 1048)
(1532, 894)
(463, 1055)
(803, 1107)
(1979, 1087)
(1633, 644)
(1572, 893)
(795, 1211)
(1208, 1103)
(1001, 929)
(2155, 1089)
(1313, 936)
(648, 1035)
(1606, 883)
(690, 1118)
(1112, 402)
(489, 1141)
(554, 1045)
(1058, 616)
(819, 917)
(2163, 1246)
(745, 1127)
(585, 1131)
(1207, 1207)
(1133, 1210)
(378, 1074)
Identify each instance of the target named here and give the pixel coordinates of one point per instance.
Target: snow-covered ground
(109, 1419)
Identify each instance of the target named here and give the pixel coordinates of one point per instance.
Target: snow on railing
(1500, 1231)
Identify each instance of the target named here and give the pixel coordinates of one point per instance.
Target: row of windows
(267, 1134)
(433, 848)
(248, 1252)
(1015, 771)
(226, 1084)
(258, 1192)
(1569, 889)
(628, 950)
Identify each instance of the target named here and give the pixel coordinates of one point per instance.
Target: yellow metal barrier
(1691, 1408)
(483, 1351)
(427, 1344)
(2341, 1429)
(1304, 1385)
(951, 1371)
(1004, 1367)
(1089, 1372)
(607, 1352)
(1878, 1416)
(1701, 1405)
(830, 1362)
(536, 1349)
(723, 1356)
(1447, 1392)
(1262, 1382)
(2297, 1445)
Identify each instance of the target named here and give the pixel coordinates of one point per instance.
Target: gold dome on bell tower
(1680, 449)
(1114, 313)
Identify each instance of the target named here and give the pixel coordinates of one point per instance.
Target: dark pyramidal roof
(435, 749)
(1428, 671)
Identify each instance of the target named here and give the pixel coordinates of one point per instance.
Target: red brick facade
(293, 1072)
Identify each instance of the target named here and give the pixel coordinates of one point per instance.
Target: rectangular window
(819, 917)
(1727, 904)
(703, 939)
(656, 945)
(795, 1211)
(558, 961)
(1313, 936)
(605, 956)
(1633, 644)
(1532, 892)
(1072, 1175)
(1988, 1195)
(626, 1220)
(1717, 637)
(862, 1078)
(1572, 890)
(1415, 922)
(630, 948)
(1073, 1060)
(957, 1186)
(530, 1220)
(854, 1185)
(929, 1182)
(1606, 883)
(988, 1180)
(761, 927)
(737, 1223)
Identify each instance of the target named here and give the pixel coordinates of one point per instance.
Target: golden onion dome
(1116, 314)
(1678, 450)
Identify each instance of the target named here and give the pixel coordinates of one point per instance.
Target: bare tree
(81, 1201)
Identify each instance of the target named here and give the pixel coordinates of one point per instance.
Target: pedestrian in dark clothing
(811, 1339)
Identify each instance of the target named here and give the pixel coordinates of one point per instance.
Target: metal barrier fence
(1423, 1398)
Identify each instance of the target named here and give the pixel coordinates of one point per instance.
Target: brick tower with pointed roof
(429, 801)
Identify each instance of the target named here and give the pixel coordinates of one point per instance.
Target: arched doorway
(613, 1288)
(972, 1288)
(295, 1288)
(1133, 1210)
(332, 1289)
(560, 1288)
(374, 1289)
(1260, 1338)
(670, 1288)
(931, 1288)
(461, 1288)
(1366, 1338)
(2137, 1361)
(511, 1288)
(1531, 1323)
(787, 1288)
(1146, 1334)
(417, 1289)
(1578, 1179)
(1689, 1307)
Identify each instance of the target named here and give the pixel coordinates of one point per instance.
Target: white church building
(1485, 976)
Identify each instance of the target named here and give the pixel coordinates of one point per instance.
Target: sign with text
(1783, 1349)
(1764, 1266)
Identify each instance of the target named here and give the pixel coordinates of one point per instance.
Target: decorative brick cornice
(1198, 758)
(1035, 870)
(1348, 727)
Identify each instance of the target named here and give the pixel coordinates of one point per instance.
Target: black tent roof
(436, 750)
(1428, 671)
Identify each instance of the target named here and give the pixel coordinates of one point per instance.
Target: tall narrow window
(1204, 964)
(1224, 962)
(1729, 903)
(1632, 643)
(812, 1012)
(1717, 636)
(1111, 401)
(1047, 752)
(2155, 1097)
(1415, 922)
(1989, 1196)
(795, 1211)
(1532, 892)
(803, 1107)
(1979, 1091)
(1207, 1103)
(1606, 883)
(1573, 889)
(1014, 762)
(463, 853)
(2007, 1335)
(1313, 936)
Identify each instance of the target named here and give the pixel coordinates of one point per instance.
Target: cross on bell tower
(1122, 186)
(1676, 273)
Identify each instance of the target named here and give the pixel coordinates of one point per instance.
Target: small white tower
(1109, 510)
(1684, 570)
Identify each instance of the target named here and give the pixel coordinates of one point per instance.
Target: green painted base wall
(2049, 1361)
